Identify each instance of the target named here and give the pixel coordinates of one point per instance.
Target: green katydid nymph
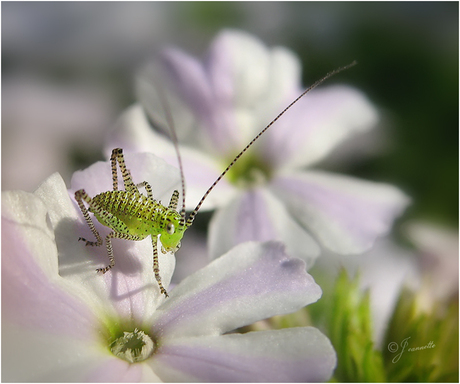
(133, 216)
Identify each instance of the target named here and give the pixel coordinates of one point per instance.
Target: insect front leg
(156, 266)
(81, 196)
(117, 155)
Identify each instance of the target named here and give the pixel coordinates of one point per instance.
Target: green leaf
(347, 319)
(430, 353)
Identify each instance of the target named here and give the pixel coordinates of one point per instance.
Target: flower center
(133, 346)
(249, 171)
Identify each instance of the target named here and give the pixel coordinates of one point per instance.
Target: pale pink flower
(63, 322)
(218, 105)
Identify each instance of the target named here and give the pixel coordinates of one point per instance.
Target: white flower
(63, 322)
(219, 105)
(437, 248)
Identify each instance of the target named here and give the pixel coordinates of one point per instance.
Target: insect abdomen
(128, 212)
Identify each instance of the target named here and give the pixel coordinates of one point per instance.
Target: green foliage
(430, 353)
(420, 345)
(349, 327)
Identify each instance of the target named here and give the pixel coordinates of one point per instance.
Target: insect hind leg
(117, 156)
(108, 242)
(147, 187)
(81, 196)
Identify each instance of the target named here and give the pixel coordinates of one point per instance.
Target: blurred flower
(42, 123)
(63, 322)
(437, 247)
(219, 105)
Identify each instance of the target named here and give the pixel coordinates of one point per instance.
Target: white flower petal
(27, 214)
(251, 282)
(31, 286)
(346, 214)
(115, 370)
(38, 313)
(134, 134)
(148, 81)
(289, 355)
(316, 124)
(438, 248)
(200, 120)
(257, 215)
(238, 64)
(254, 81)
(33, 355)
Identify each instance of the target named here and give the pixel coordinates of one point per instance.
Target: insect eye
(170, 228)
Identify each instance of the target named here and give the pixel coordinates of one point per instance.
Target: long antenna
(191, 218)
(172, 129)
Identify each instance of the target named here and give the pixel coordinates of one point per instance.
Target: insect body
(134, 216)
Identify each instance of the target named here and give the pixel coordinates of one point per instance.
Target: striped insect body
(133, 216)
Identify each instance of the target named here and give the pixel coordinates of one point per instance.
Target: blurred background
(68, 72)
